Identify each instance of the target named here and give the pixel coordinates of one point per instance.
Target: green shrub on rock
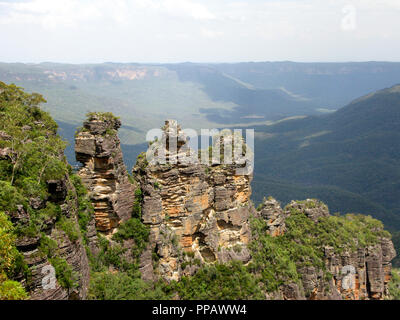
(9, 290)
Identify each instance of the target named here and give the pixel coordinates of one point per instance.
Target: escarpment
(104, 174)
(193, 210)
(45, 257)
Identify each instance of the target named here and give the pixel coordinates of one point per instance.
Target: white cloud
(212, 34)
(139, 30)
(187, 8)
(70, 13)
(50, 14)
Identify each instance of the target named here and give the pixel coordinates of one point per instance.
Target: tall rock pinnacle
(202, 209)
(97, 147)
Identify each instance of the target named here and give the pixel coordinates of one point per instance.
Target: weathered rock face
(357, 275)
(272, 212)
(104, 174)
(73, 252)
(202, 209)
(312, 208)
(363, 274)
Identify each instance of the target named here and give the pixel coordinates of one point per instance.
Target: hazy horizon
(199, 62)
(174, 31)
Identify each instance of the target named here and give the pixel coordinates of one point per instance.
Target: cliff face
(357, 274)
(372, 271)
(202, 212)
(39, 198)
(201, 209)
(104, 174)
(72, 251)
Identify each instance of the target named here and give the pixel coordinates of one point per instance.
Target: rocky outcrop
(273, 214)
(104, 174)
(200, 209)
(360, 274)
(38, 281)
(312, 208)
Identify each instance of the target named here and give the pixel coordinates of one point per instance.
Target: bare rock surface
(104, 174)
(361, 274)
(199, 209)
(71, 251)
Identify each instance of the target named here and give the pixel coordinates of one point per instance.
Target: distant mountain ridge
(199, 95)
(350, 158)
(329, 84)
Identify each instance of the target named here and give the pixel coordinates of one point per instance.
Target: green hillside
(350, 159)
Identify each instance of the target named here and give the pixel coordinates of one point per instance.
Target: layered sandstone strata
(72, 252)
(357, 274)
(200, 209)
(104, 174)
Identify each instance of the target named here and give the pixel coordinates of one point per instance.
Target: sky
(169, 31)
